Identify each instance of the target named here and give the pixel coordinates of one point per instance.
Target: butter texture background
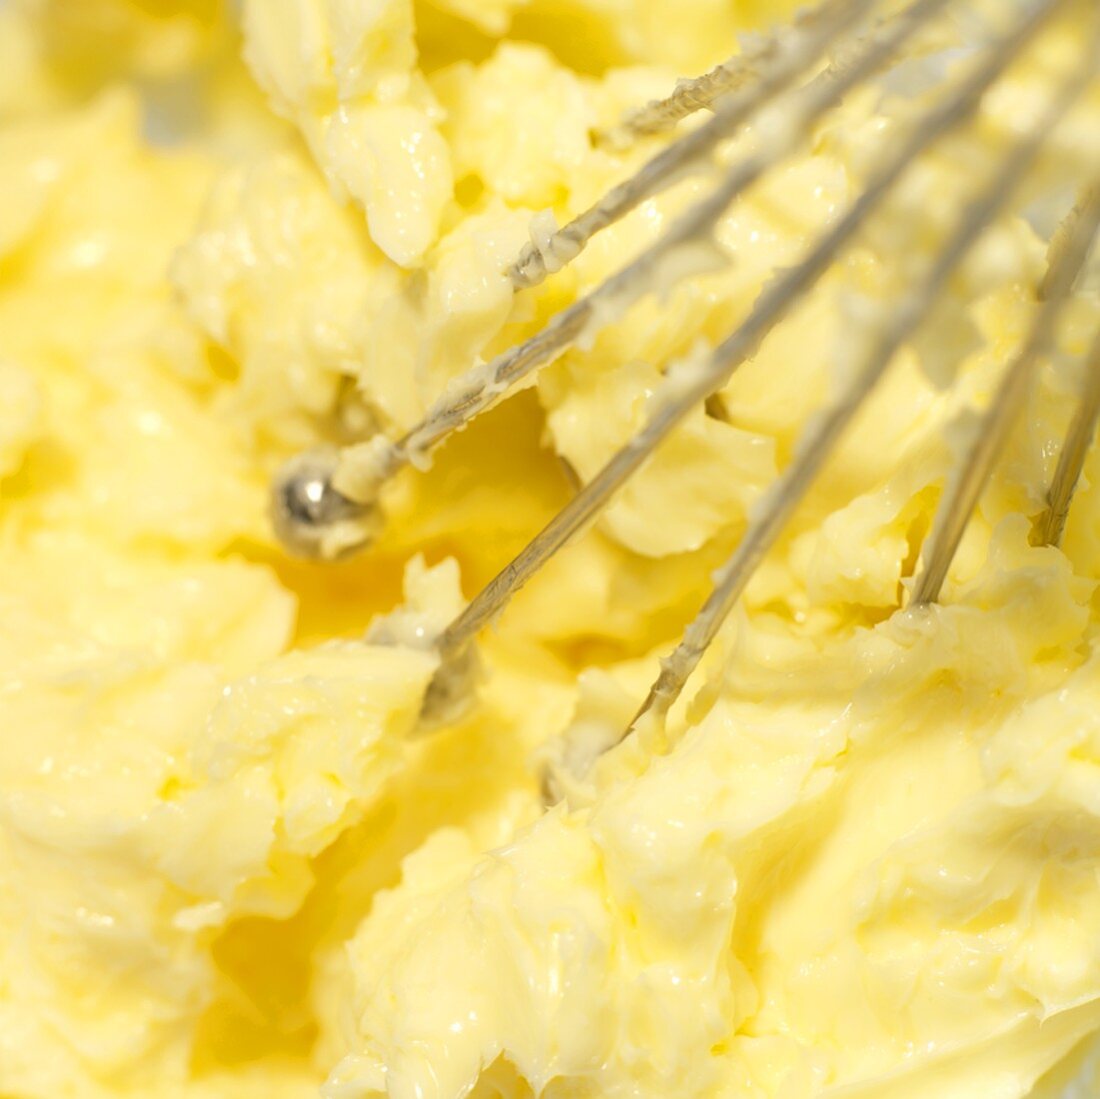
(863, 859)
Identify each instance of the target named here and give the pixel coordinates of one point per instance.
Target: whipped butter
(863, 858)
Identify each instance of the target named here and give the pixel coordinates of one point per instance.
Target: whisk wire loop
(484, 386)
(823, 436)
(770, 308)
(783, 87)
(468, 396)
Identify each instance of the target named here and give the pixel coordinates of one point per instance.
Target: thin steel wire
(801, 51)
(1071, 461)
(702, 92)
(958, 502)
(772, 306)
(823, 437)
(472, 394)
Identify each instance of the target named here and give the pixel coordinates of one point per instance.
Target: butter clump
(860, 860)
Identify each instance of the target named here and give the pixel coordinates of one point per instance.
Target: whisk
(325, 503)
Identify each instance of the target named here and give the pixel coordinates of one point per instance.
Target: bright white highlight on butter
(863, 861)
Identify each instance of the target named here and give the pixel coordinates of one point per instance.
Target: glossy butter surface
(864, 861)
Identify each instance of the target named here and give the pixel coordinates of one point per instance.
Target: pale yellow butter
(863, 859)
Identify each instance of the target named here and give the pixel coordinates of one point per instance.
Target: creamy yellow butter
(862, 859)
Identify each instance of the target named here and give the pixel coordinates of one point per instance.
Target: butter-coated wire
(961, 497)
(470, 395)
(822, 438)
(769, 310)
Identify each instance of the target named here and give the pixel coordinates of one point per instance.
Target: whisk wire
(326, 502)
(822, 438)
(703, 92)
(1071, 461)
(960, 499)
(473, 393)
(770, 308)
(660, 172)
